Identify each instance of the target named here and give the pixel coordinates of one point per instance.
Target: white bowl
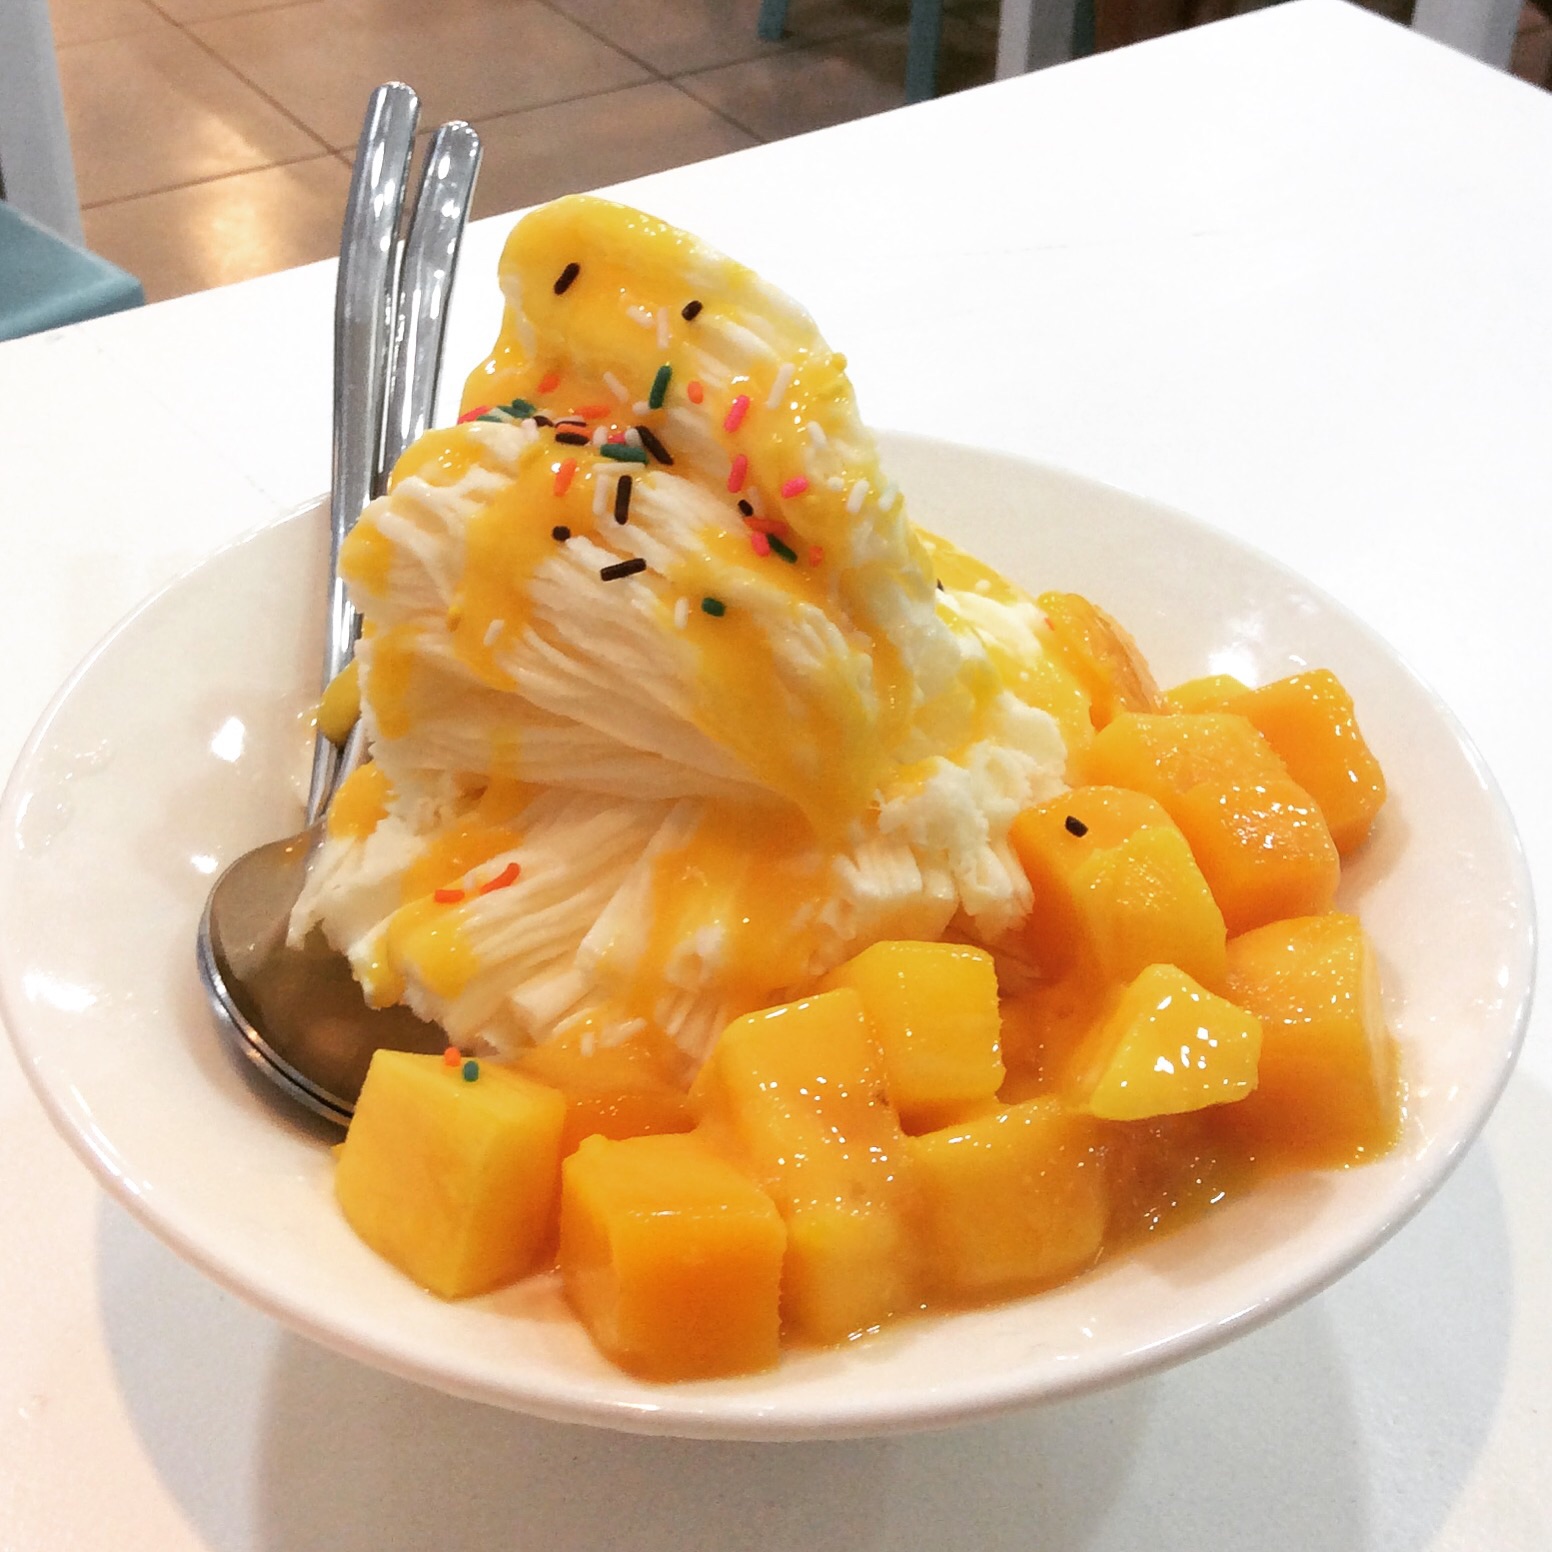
(180, 743)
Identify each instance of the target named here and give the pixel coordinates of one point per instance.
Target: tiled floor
(223, 149)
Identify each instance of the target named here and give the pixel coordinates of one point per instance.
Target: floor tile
(467, 60)
(152, 110)
(675, 36)
(569, 147)
(85, 21)
(813, 88)
(227, 229)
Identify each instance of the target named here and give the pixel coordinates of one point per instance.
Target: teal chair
(926, 32)
(47, 278)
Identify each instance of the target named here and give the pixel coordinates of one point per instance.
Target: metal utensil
(297, 1014)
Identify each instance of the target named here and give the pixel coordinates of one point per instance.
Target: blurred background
(221, 150)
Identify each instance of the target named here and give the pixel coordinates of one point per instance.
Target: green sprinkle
(520, 409)
(659, 387)
(471, 1070)
(784, 550)
(622, 452)
(713, 606)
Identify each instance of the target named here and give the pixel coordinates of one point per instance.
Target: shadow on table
(1318, 1434)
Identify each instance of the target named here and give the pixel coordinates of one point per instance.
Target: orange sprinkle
(508, 875)
(815, 554)
(695, 391)
(564, 471)
(549, 382)
(452, 1056)
(738, 473)
(475, 413)
(447, 896)
(594, 411)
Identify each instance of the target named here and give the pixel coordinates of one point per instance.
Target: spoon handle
(425, 278)
(364, 304)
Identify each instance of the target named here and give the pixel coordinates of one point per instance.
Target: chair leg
(921, 57)
(773, 20)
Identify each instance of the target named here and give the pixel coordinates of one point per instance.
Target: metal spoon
(297, 1014)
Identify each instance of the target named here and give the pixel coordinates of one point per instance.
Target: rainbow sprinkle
(736, 412)
(714, 607)
(622, 452)
(471, 1071)
(659, 386)
(565, 472)
(738, 473)
(795, 486)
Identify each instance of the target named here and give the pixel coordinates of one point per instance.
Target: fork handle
(364, 304)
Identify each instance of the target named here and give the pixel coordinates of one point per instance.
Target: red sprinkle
(736, 412)
(766, 525)
(508, 875)
(452, 1056)
(815, 555)
(759, 543)
(447, 896)
(738, 473)
(695, 391)
(564, 471)
(616, 437)
(594, 411)
(474, 414)
(795, 486)
(549, 382)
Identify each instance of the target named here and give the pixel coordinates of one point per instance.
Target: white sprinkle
(641, 407)
(600, 494)
(588, 1043)
(784, 374)
(859, 494)
(616, 387)
(835, 482)
(633, 438)
(642, 316)
(662, 328)
(887, 496)
(600, 436)
(816, 434)
(493, 632)
(982, 585)
(682, 613)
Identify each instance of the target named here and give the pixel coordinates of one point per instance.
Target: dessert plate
(183, 740)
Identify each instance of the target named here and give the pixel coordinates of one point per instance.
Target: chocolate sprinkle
(567, 275)
(560, 532)
(623, 568)
(746, 509)
(622, 495)
(690, 311)
(573, 438)
(650, 441)
(1076, 826)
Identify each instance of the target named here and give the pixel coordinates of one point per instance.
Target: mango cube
(1328, 1092)
(633, 1088)
(671, 1257)
(1167, 1046)
(454, 1182)
(796, 1095)
(1041, 1029)
(1100, 654)
(1116, 888)
(1167, 755)
(1263, 847)
(1011, 1202)
(932, 1007)
(1212, 692)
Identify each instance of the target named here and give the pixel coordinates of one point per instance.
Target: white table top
(1303, 242)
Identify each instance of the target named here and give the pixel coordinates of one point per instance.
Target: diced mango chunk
(1328, 1091)
(341, 704)
(633, 1088)
(1115, 889)
(1212, 692)
(932, 1008)
(1011, 1202)
(1166, 756)
(1263, 847)
(1167, 1046)
(1101, 656)
(454, 1182)
(671, 1257)
(1041, 1029)
(796, 1095)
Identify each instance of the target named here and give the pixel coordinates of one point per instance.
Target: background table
(1290, 274)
